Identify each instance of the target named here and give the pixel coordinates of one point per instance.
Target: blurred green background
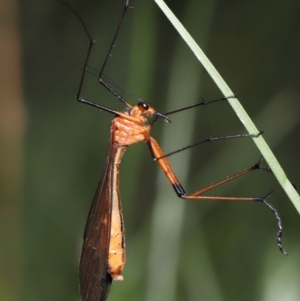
(53, 149)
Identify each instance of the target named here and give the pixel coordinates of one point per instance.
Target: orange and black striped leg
(164, 164)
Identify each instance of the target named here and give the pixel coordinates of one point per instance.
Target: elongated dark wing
(94, 278)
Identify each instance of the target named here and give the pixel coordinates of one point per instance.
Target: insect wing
(94, 278)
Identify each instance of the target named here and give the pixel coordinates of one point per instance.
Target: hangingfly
(103, 251)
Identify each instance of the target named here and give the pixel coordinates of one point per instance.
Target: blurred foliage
(176, 250)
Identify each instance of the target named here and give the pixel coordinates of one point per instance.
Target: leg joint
(179, 190)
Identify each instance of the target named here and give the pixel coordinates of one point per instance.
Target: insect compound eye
(143, 106)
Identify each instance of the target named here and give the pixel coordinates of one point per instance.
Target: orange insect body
(130, 126)
(127, 129)
(116, 251)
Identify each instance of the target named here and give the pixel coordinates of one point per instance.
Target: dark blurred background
(53, 149)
